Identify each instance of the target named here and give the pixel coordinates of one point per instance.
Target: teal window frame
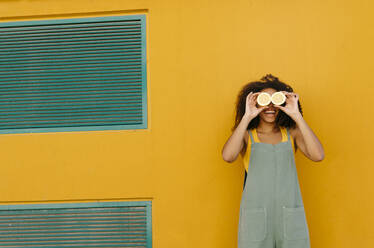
(143, 125)
(11, 210)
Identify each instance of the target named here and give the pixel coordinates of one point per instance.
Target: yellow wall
(200, 53)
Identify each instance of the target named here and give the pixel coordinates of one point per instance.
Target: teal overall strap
(288, 135)
(250, 135)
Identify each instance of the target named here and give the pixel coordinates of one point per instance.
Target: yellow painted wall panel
(200, 53)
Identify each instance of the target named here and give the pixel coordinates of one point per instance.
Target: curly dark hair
(268, 81)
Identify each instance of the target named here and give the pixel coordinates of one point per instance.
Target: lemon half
(278, 98)
(263, 99)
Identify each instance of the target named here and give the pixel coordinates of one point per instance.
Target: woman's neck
(266, 127)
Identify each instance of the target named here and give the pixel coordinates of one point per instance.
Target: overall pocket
(253, 224)
(294, 223)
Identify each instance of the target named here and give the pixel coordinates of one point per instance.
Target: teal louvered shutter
(73, 74)
(99, 224)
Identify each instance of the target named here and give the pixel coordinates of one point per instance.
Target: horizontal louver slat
(84, 72)
(104, 224)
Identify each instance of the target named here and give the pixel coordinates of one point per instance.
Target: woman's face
(270, 113)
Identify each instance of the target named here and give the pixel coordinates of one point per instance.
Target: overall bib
(271, 208)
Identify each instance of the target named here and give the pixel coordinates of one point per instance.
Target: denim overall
(271, 208)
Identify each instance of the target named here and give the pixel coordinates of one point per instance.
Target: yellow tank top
(255, 137)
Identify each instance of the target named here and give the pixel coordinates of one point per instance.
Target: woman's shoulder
(294, 131)
(247, 142)
(246, 137)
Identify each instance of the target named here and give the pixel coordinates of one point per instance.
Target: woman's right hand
(251, 110)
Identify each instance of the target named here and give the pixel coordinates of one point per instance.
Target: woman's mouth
(269, 112)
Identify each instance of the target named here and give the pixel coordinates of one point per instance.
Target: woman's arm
(307, 141)
(305, 138)
(235, 143)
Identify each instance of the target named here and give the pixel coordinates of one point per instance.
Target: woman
(271, 209)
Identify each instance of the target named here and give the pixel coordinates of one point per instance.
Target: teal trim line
(77, 74)
(73, 21)
(144, 72)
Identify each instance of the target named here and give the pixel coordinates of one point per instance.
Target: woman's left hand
(291, 108)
